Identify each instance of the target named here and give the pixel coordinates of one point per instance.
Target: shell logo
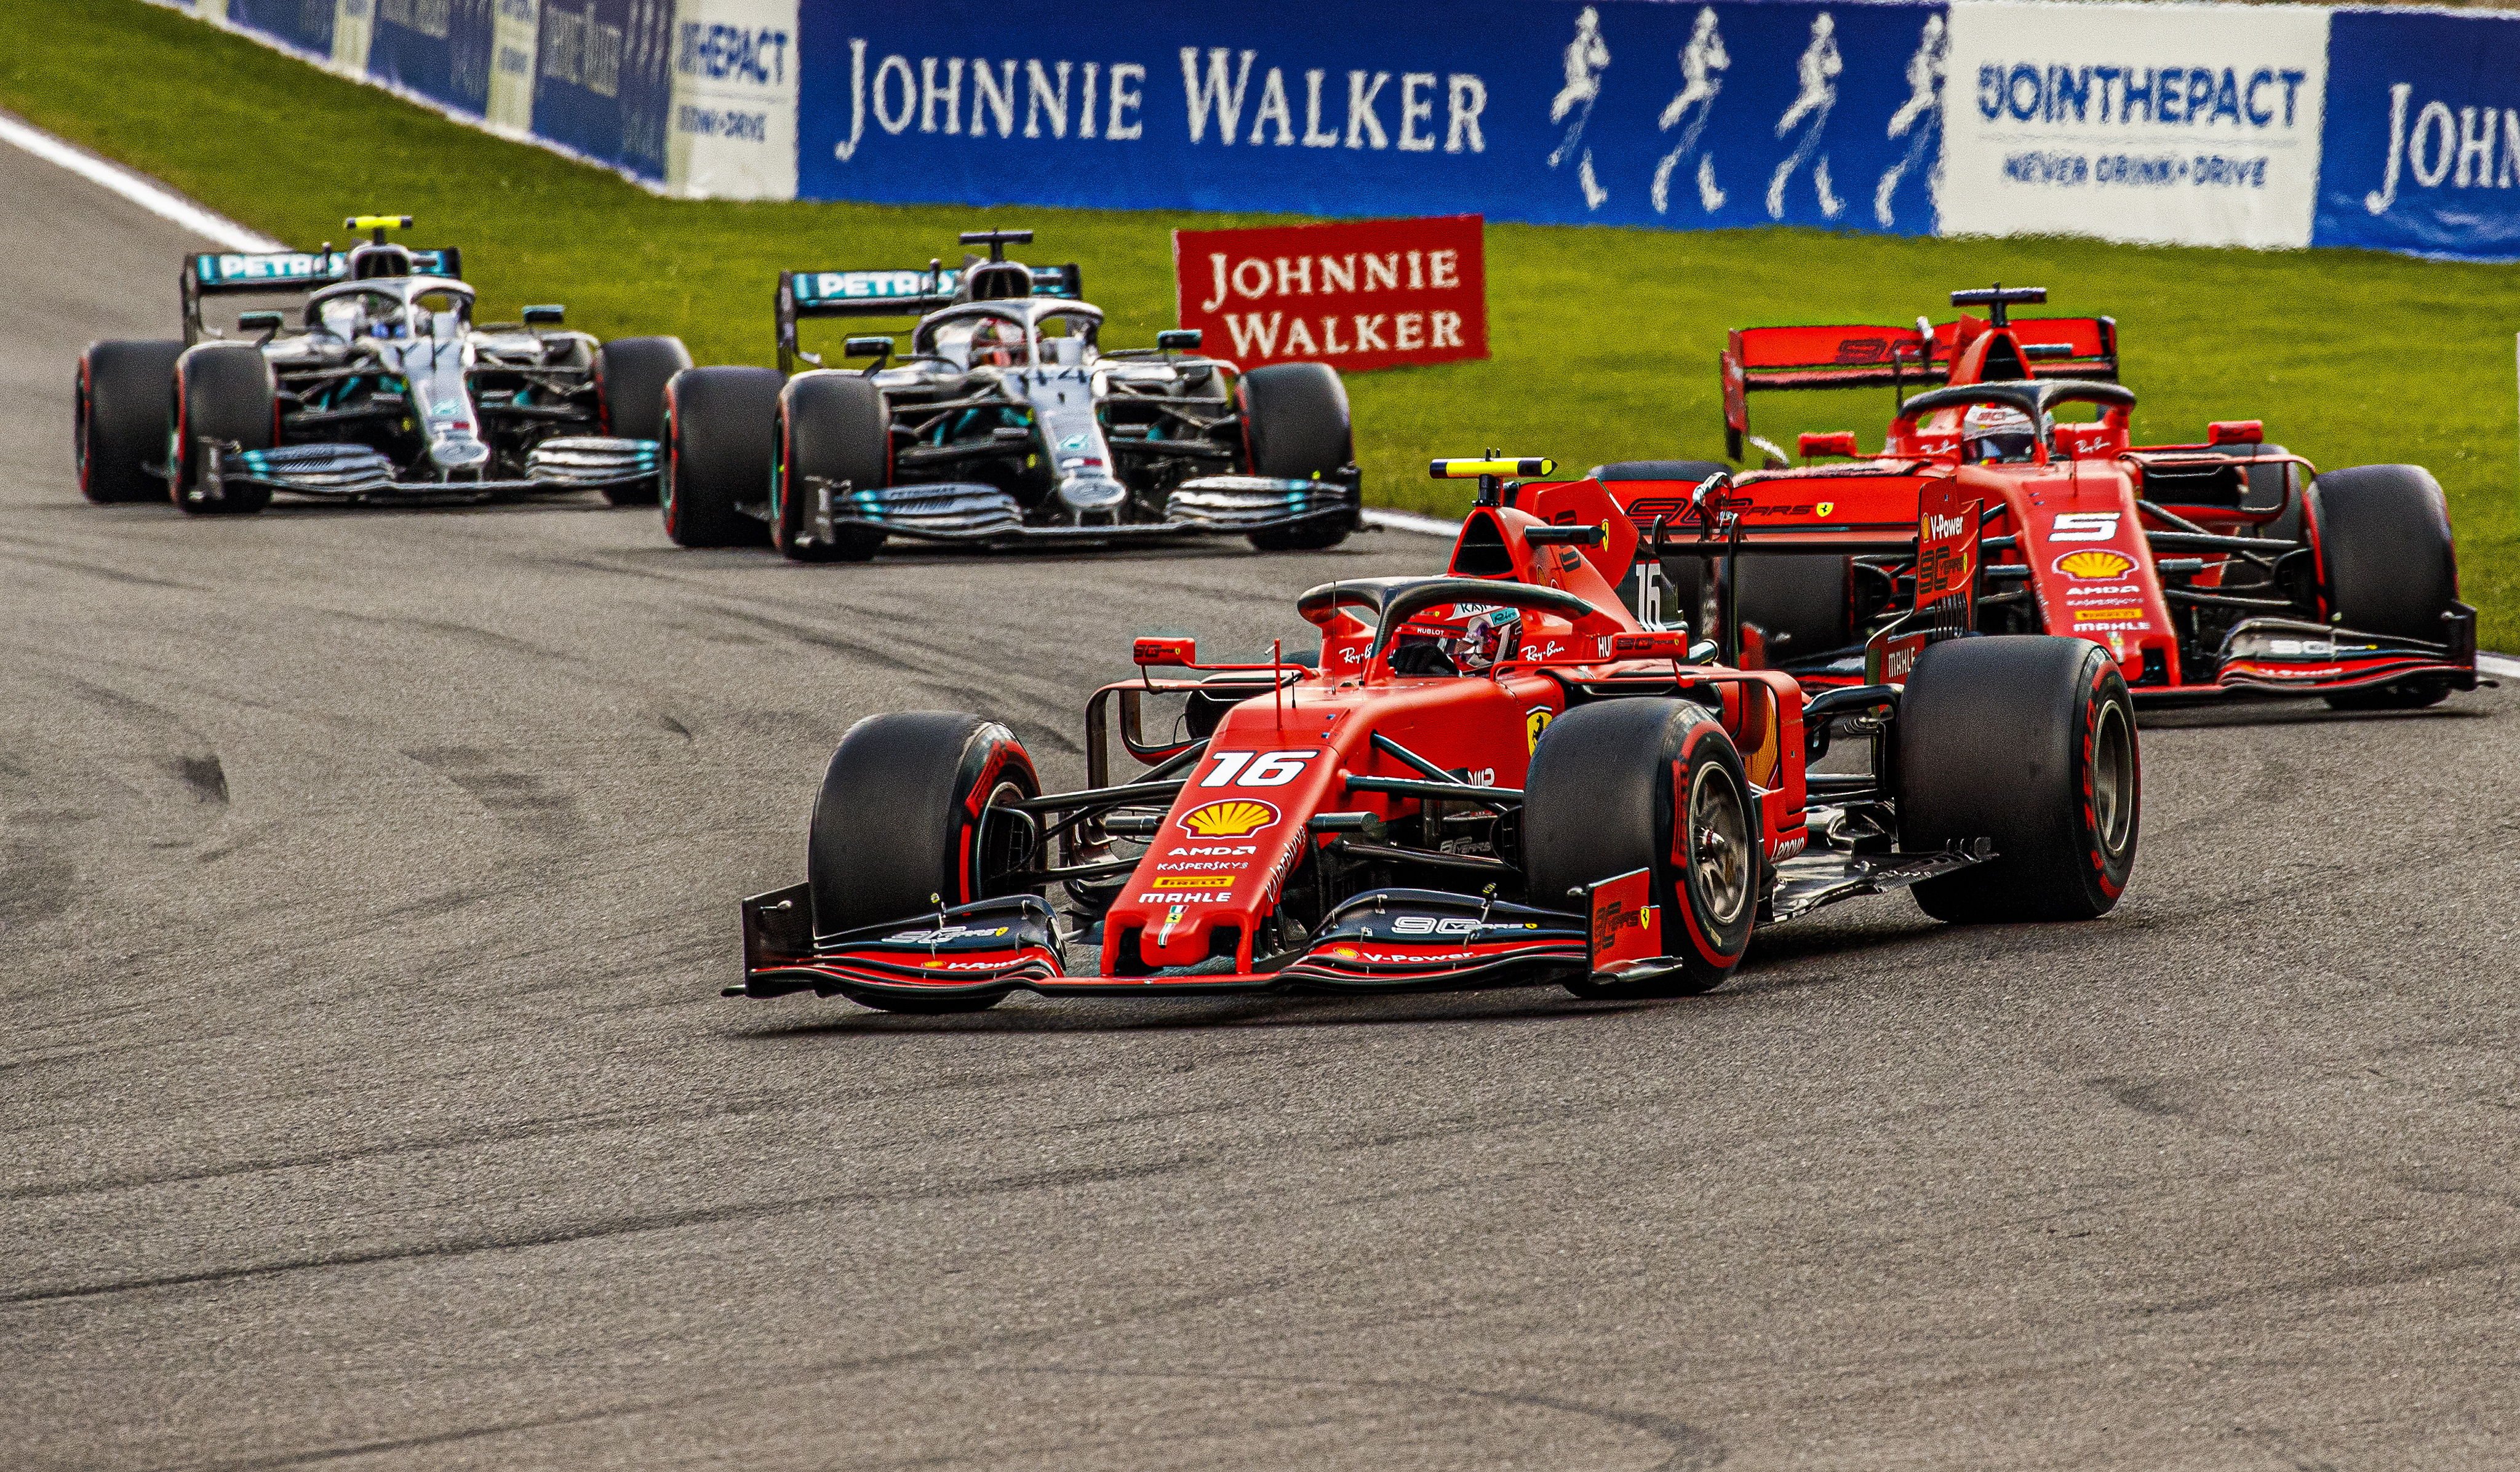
(2093, 565)
(1234, 817)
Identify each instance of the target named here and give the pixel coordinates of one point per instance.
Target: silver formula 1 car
(383, 389)
(1007, 424)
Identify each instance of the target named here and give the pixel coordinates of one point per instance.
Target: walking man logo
(1702, 62)
(1919, 119)
(1817, 72)
(1588, 56)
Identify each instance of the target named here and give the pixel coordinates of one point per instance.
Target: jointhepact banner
(1360, 296)
(2176, 124)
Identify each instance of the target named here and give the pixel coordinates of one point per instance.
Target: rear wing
(887, 294)
(1760, 359)
(268, 272)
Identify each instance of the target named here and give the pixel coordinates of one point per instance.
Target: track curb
(136, 188)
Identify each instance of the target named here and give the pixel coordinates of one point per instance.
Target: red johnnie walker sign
(1356, 294)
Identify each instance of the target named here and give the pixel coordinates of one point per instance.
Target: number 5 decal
(2084, 526)
(1256, 769)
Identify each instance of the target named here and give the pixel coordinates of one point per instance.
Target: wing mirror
(1184, 339)
(265, 323)
(545, 316)
(2236, 432)
(1837, 442)
(1180, 654)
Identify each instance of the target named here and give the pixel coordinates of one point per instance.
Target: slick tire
(832, 425)
(126, 399)
(1628, 785)
(223, 392)
(1803, 604)
(1295, 427)
(2028, 740)
(2384, 543)
(719, 436)
(630, 378)
(902, 824)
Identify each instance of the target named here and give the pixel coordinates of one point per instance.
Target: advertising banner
(2188, 125)
(2208, 124)
(439, 49)
(1357, 295)
(733, 129)
(1615, 114)
(2423, 134)
(603, 85)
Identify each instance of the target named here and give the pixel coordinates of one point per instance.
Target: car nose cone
(1092, 493)
(459, 454)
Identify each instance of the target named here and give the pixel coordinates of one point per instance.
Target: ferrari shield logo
(1534, 722)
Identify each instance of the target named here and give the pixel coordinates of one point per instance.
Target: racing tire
(2028, 740)
(1295, 427)
(1802, 602)
(899, 825)
(630, 378)
(125, 400)
(1607, 792)
(2385, 545)
(224, 391)
(834, 425)
(719, 438)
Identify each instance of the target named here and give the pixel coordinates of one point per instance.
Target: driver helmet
(1492, 637)
(997, 343)
(1997, 435)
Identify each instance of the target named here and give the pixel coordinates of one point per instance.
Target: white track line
(147, 194)
(2498, 664)
(1426, 526)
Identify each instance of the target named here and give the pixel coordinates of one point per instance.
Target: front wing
(357, 472)
(970, 514)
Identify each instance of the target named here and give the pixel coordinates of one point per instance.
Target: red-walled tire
(902, 825)
(2028, 740)
(223, 392)
(718, 439)
(126, 398)
(1657, 786)
(630, 378)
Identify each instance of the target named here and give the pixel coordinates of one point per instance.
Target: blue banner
(304, 25)
(1626, 113)
(439, 49)
(604, 83)
(2422, 145)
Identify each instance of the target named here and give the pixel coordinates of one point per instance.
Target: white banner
(733, 131)
(2185, 124)
(515, 29)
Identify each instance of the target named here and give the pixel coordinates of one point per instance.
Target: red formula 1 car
(1494, 777)
(2209, 570)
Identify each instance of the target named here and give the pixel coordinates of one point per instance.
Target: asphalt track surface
(366, 1097)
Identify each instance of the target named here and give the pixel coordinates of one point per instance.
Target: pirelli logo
(1194, 881)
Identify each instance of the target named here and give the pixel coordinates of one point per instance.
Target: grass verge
(1604, 340)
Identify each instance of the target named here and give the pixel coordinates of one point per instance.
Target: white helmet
(1997, 433)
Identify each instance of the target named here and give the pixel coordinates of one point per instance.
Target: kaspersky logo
(2092, 564)
(1234, 817)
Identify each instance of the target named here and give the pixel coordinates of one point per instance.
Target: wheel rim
(2112, 778)
(1720, 861)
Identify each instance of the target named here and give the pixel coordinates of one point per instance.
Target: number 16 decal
(1256, 769)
